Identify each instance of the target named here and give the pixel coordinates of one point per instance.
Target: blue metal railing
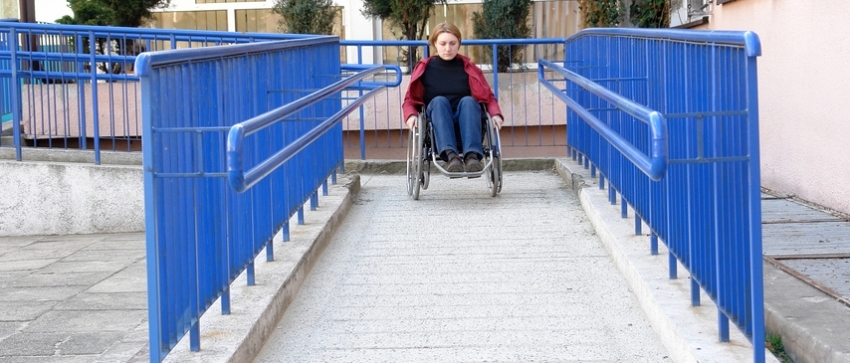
(670, 119)
(61, 70)
(533, 119)
(676, 137)
(208, 113)
(76, 84)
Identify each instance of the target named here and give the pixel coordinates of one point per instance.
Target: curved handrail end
(752, 44)
(235, 168)
(658, 150)
(143, 65)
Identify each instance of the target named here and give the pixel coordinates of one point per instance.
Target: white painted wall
(47, 11)
(804, 91)
(56, 198)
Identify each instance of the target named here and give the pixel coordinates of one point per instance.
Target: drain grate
(829, 273)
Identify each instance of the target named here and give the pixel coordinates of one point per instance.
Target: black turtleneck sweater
(445, 78)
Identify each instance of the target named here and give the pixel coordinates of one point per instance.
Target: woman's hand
(497, 122)
(411, 121)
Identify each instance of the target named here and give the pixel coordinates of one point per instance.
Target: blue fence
(676, 138)
(534, 118)
(670, 119)
(76, 85)
(237, 140)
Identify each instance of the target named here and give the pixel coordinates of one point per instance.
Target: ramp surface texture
(451, 278)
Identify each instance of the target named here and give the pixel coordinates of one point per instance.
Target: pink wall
(804, 92)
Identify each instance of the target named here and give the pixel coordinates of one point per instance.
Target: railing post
(653, 244)
(225, 301)
(361, 113)
(723, 326)
(195, 336)
(249, 273)
(270, 251)
(496, 71)
(694, 292)
(15, 84)
(301, 215)
(671, 265)
(638, 226)
(624, 207)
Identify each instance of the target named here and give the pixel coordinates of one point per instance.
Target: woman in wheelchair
(450, 87)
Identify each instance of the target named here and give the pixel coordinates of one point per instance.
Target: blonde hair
(444, 28)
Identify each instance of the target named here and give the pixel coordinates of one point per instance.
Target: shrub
(503, 19)
(601, 13)
(306, 16)
(650, 13)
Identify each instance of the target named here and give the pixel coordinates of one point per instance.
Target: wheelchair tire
(494, 179)
(411, 162)
(419, 157)
(426, 173)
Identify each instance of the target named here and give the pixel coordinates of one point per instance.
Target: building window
(264, 21)
(257, 21)
(191, 20)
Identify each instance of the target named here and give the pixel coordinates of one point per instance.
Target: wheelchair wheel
(412, 170)
(494, 179)
(426, 172)
(417, 176)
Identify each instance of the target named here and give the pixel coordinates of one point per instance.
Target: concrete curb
(400, 167)
(689, 333)
(255, 310)
(812, 325)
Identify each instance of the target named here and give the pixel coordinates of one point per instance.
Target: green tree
(503, 19)
(411, 16)
(601, 13)
(129, 13)
(132, 13)
(650, 13)
(306, 16)
(86, 12)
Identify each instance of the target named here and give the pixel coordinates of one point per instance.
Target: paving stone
(88, 300)
(76, 321)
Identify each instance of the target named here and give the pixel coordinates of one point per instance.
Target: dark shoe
(473, 164)
(454, 165)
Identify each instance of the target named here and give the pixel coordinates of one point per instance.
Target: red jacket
(413, 99)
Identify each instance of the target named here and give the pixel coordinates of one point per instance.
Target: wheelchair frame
(421, 154)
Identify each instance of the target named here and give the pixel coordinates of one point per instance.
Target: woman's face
(447, 45)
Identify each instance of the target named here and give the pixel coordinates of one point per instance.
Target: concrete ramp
(459, 276)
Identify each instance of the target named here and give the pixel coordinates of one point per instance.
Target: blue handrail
(106, 31)
(749, 40)
(652, 165)
(240, 180)
(700, 90)
(146, 61)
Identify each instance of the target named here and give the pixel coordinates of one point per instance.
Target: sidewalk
(82, 298)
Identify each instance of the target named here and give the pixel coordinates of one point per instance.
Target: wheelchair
(422, 155)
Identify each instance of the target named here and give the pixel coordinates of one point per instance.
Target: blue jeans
(461, 126)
